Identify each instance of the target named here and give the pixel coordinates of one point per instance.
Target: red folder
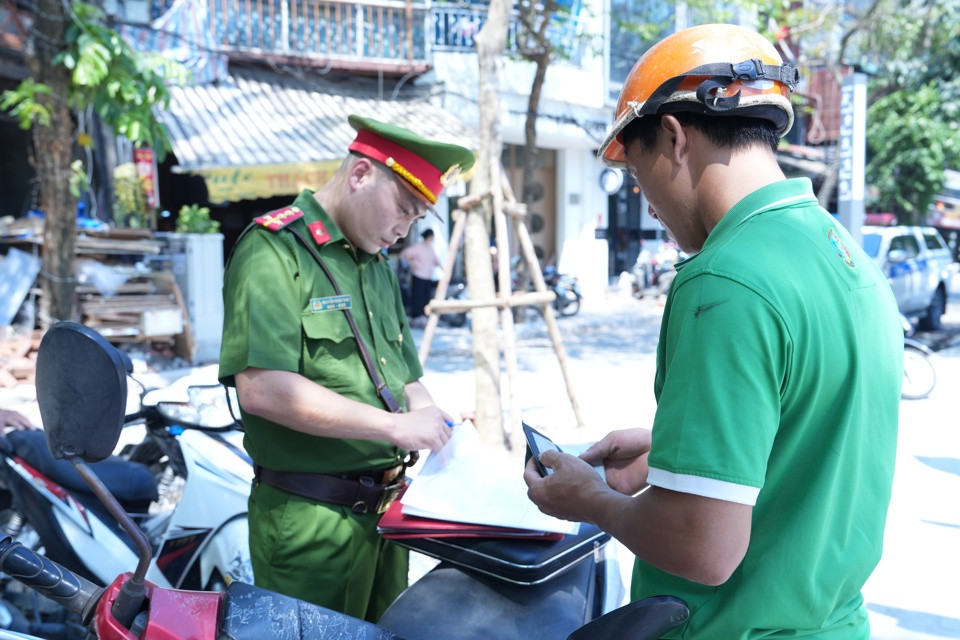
(395, 525)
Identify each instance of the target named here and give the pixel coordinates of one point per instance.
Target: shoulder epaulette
(276, 220)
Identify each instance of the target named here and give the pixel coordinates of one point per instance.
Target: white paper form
(466, 482)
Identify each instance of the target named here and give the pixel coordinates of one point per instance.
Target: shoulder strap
(382, 390)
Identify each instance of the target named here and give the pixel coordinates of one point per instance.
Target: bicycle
(919, 375)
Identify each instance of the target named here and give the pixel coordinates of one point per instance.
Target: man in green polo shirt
(313, 326)
(767, 474)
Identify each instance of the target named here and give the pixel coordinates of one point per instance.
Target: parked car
(919, 266)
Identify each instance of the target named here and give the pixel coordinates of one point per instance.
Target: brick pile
(18, 356)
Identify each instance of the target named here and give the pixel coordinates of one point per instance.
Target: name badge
(331, 303)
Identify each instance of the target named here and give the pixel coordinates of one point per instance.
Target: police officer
(316, 341)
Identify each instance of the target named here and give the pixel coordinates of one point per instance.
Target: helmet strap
(721, 75)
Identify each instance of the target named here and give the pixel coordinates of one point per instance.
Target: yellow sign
(230, 184)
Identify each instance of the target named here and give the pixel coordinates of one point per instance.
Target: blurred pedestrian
(422, 259)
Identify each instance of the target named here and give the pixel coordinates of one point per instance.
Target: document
(467, 481)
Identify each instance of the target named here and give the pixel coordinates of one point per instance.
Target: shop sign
(230, 184)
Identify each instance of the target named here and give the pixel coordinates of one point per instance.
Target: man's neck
(728, 177)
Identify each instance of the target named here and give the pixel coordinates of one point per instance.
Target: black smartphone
(537, 443)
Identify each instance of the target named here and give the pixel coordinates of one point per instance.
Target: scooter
(567, 289)
(81, 396)
(182, 477)
(455, 291)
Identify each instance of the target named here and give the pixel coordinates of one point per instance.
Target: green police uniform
(282, 313)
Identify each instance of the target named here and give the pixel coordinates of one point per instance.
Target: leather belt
(363, 494)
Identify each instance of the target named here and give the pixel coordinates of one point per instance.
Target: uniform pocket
(330, 351)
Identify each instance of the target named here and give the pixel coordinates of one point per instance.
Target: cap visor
(409, 187)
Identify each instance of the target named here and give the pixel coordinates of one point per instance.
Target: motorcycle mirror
(81, 384)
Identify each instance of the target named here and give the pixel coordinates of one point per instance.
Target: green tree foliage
(908, 144)
(77, 62)
(912, 130)
(108, 75)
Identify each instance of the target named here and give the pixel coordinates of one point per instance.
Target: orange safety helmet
(713, 69)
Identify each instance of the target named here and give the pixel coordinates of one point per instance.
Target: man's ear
(675, 136)
(361, 171)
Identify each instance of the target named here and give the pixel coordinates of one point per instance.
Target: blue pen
(450, 423)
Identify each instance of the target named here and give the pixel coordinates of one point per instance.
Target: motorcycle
(181, 476)
(455, 291)
(567, 289)
(81, 402)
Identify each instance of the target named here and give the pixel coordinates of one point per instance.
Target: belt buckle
(391, 474)
(390, 494)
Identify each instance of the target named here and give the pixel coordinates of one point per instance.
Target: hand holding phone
(537, 443)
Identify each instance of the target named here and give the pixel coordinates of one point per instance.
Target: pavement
(914, 593)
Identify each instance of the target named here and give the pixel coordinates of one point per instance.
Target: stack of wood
(121, 302)
(145, 308)
(18, 357)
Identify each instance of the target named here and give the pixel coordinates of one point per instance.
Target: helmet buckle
(748, 70)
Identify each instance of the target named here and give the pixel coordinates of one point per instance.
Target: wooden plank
(126, 288)
(126, 302)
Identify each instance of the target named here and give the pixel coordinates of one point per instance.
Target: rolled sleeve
(262, 311)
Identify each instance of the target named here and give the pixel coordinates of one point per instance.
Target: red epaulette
(276, 220)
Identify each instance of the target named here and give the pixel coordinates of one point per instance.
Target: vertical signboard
(146, 164)
(853, 144)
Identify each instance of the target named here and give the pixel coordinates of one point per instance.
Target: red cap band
(378, 148)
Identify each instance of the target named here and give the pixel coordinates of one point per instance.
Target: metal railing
(455, 25)
(386, 32)
(389, 31)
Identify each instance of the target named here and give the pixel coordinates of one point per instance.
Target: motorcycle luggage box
(513, 560)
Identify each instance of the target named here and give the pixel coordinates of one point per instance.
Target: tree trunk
(537, 48)
(52, 155)
(530, 151)
(486, 345)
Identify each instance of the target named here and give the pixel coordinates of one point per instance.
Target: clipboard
(395, 525)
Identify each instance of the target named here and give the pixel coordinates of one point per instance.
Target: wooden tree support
(504, 204)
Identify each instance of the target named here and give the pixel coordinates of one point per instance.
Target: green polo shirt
(281, 312)
(778, 385)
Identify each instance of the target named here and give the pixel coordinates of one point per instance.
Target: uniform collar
(314, 213)
(776, 195)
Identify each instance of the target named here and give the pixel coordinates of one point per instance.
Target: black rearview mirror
(81, 391)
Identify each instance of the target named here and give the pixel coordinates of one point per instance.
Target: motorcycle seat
(130, 482)
(252, 612)
(449, 602)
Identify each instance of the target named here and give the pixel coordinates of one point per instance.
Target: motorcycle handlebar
(48, 578)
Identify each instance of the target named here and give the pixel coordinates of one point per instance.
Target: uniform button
(383, 361)
(400, 338)
(370, 314)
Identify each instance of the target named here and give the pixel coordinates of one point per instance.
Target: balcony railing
(455, 25)
(398, 34)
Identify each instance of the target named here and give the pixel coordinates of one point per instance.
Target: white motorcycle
(180, 473)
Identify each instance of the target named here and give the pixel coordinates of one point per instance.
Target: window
(934, 241)
(905, 243)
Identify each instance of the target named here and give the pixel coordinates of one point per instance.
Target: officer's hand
(568, 492)
(624, 455)
(426, 428)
